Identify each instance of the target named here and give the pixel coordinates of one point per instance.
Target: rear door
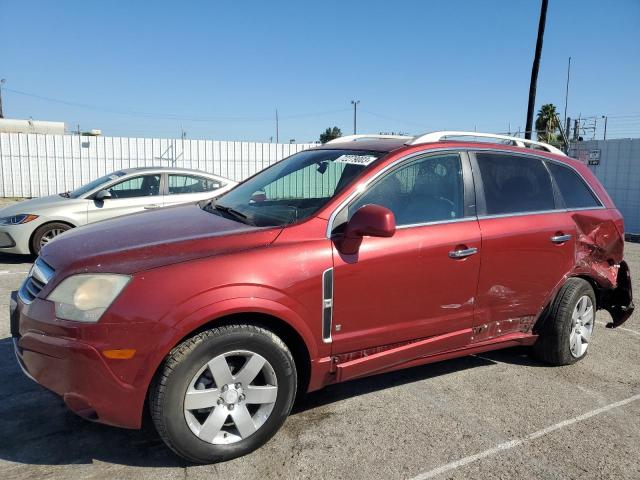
(131, 195)
(528, 241)
(187, 188)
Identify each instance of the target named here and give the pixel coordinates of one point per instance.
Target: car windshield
(83, 190)
(294, 188)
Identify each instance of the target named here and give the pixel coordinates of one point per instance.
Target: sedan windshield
(83, 190)
(294, 188)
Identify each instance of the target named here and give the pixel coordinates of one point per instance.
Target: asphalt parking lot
(497, 415)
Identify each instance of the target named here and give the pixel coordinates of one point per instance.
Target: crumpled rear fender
(599, 253)
(618, 301)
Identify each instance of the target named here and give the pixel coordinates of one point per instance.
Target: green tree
(329, 134)
(548, 125)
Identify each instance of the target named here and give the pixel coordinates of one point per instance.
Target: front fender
(247, 304)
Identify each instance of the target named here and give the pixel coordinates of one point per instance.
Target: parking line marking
(520, 441)
(619, 328)
(7, 272)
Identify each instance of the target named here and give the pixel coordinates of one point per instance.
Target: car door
(528, 241)
(187, 188)
(421, 282)
(133, 194)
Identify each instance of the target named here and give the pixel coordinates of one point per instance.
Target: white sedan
(28, 225)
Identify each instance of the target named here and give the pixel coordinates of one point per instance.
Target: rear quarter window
(574, 190)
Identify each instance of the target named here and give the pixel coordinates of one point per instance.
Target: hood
(36, 205)
(152, 239)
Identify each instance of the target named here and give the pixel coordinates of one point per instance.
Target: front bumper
(72, 368)
(15, 238)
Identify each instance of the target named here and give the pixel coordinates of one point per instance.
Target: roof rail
(354, 138)
(517, 141)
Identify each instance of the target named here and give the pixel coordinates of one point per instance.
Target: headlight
(17, 219)
(85, 297)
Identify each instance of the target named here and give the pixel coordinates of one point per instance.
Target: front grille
(38, 277)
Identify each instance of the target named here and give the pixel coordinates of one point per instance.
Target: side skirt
(413, 354)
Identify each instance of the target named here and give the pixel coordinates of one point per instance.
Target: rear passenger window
(515, 184)
(574, 191)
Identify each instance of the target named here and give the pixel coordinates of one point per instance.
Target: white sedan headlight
(85, 297)
(18, 219)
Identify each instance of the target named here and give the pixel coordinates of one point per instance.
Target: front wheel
(45, 233)
(566, 335)
(223, 393)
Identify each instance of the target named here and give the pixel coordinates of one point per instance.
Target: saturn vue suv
(364, 255)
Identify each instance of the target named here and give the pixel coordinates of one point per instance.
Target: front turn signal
(122, 354)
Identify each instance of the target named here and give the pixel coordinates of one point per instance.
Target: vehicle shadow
(15, 259)
(37, 429)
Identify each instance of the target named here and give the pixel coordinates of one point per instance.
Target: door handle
(560, 238)
(152, 206)
(462, 253)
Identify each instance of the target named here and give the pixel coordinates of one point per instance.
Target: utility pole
(355, 114)
(277, 128)
(605, 126)
(2, 80)
(534, 69)
(566, 93)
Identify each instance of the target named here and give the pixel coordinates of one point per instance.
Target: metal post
(355, 114)
(605, 127)
(277, 128)
(566, 93)
(2, 80)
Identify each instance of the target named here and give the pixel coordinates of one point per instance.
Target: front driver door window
(132, 195)
(407, 287)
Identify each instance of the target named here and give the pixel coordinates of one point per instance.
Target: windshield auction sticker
(355, 159)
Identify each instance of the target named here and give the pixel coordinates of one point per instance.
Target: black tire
(167, 394)
(553, 345)
(43, 230)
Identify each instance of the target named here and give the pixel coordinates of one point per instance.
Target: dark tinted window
(145, 186)
(573, 189)
(514, 184)
(427, 190)
(191, 184)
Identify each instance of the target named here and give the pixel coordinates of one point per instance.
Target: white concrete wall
(33, 165)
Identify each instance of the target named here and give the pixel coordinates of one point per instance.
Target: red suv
(361, 256)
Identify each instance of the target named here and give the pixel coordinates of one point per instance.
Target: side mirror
(102, 195)
(369, 220)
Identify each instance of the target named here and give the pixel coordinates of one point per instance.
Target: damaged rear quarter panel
(599, 252)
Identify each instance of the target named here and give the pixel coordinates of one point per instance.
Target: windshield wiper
(66, 194)
(231, 211)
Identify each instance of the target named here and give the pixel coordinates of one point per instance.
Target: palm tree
(547, 124)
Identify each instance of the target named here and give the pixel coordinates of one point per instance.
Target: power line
(170, 116)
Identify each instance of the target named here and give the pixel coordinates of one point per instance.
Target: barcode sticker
(355, 159)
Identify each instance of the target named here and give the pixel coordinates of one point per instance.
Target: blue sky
(221, 68)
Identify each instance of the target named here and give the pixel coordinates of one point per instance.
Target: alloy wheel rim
(582, 319)
(230, 397)
(50, 235)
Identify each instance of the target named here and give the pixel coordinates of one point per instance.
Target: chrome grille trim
(39, 275)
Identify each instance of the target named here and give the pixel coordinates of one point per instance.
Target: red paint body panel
(405, 287)
(399, 301)
(512, 283)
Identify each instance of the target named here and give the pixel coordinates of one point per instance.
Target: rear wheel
(566, 335)
(45, 233)
(223, 393)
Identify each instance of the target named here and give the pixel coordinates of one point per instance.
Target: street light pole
(355, 114)
(2, 80)
(566, 93)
